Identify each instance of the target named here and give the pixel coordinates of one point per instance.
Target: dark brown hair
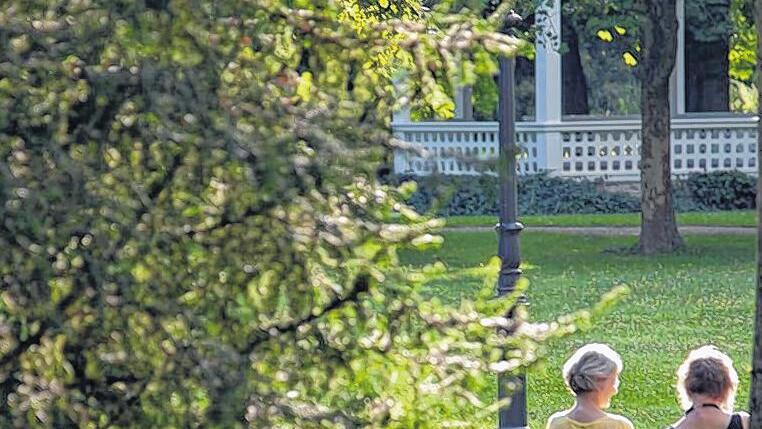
(707, 371)
(708, 376)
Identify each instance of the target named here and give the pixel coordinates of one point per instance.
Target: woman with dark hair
(706, 386)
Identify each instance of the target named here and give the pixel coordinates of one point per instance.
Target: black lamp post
(514, 416)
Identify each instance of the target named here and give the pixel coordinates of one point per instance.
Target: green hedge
(722, 190)
(544, 195)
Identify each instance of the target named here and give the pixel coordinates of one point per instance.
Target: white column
(548, 64)
(401, 157)
(463, 107)
(402, 110)
(678, 81)
(458, 100)
(401, 116)
(548, 87)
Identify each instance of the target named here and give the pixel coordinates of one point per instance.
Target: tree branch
(313, 412)
(361, 284)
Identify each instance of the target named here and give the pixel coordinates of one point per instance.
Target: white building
(581, 146)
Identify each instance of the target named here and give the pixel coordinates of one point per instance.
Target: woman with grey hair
(592, 375)
(706, 386)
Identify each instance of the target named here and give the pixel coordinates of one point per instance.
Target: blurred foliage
(484, 79)
(193, 233)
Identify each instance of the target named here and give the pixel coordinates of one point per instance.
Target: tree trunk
(658, 232)
(574, 85)
(755, 400)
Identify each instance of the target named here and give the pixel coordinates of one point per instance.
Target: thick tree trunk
(658, 231)
(574, 85)
(755, 401)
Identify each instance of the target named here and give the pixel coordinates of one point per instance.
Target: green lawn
(701, 295)
(726, 218)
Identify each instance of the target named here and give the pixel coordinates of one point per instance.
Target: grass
(724, 218)
(704, 294)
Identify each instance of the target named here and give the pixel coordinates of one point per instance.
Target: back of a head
(709, 372)
(588, 365)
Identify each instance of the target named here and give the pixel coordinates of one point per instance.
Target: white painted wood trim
(548, 78)
(680, 61)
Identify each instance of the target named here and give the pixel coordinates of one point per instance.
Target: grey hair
(588, 365)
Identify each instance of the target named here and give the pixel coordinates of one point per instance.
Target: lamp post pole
(513, 416)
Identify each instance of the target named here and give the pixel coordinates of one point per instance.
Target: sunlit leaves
(742, 55)
(605, 35)
(442, 104)
(305, 86)
(743, 96)
(629, 59)
(193, 226)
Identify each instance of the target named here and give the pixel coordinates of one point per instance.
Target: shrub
(538, 194)
(542, 194)
(726, 190)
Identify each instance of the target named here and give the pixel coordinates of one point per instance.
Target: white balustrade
(459, 148)
(607, 149)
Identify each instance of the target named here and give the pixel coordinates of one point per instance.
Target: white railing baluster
(608, 149)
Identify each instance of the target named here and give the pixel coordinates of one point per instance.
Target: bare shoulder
(622, 421)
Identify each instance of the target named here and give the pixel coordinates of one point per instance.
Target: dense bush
(542, 194)
(721, 190)
(538, 194)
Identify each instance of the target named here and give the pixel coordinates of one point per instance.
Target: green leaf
(141, 273)
(629, 59)
(305, 86)
(605, 35)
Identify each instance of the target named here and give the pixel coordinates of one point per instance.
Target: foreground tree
(192, 230)
(755, 400)
(658, 35)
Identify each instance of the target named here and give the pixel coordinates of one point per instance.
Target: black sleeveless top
(735, 419)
